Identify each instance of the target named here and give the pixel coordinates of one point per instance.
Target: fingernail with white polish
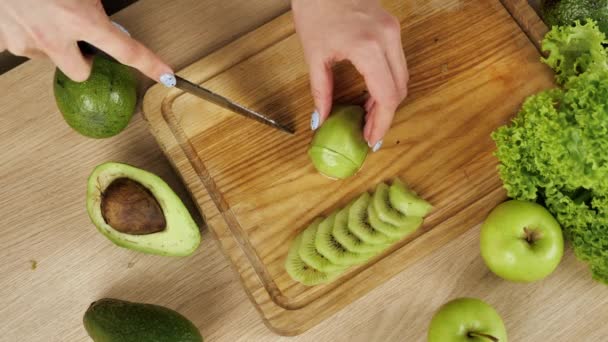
(314, 120)
(377, 146)
(168, 80)
(120, 27)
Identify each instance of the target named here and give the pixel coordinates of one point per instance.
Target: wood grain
(524, 12)
(257, 189)
(42, 218)
(43, 176)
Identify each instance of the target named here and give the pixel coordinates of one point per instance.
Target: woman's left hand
(364, 33)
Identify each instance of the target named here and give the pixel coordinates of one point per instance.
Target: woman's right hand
(52, 28)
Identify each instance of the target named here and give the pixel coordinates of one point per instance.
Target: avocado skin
(101, 106)
(114, 320)
(566, 12)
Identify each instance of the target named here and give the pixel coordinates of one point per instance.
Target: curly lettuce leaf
(575, 49)
(555, 151)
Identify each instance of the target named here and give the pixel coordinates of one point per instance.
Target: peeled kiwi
(308, 251)
(351, 242)
(384, 208)
(355, 234)
(330, 248)
(359, 225)
(301, 271)
(395, 232)
(407, 201)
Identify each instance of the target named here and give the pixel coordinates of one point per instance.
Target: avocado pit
(130, 208)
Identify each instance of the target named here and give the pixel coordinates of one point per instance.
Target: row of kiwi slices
(355, 234)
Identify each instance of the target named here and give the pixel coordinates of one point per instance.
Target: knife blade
(223, 102)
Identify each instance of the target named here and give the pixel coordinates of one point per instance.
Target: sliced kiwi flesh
(308, 251)
(394, 232)
(301, 271)
(384, 208)
(358, 223)
(355, 234)
(330, 248)
(407, 201)
(351, 242)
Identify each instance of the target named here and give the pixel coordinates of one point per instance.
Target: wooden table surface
(54, 263)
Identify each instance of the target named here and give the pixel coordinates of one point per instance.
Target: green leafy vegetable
(574, 49)
(556, 150)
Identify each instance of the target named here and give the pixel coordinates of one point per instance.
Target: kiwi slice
(395, 232)
(300, 271)
(359, 225)
(384, 208)
(350, 241)
(407, 201)
(330, 248)
(308, 250)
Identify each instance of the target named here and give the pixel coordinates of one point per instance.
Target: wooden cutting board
(471, 67)
(526, 15)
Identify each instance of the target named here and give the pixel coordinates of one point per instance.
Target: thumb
(321, 84)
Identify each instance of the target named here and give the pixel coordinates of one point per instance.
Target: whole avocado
(101, 106)
(565, 12)
(114, 320)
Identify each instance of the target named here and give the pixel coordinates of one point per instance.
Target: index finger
(384, 92)
(110, 39)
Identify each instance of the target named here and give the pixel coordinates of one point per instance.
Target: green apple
(338, 148)
(521, 241)
(464, 320)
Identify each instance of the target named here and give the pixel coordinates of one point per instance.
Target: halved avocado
(136, 209)
(338, 148)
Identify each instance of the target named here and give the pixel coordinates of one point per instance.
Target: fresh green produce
(338, 148)
(136, 209)
(300, 271)
(101, 106)
(521, 241)
(308, 251)
(348, 237)
(344, 236)
(554, 151)
(407, 201)
(387, 212)
(566, 12)
(392, 231)
(359, 223)
(330, 248)
(573, 50)
(467, 319)
(114, 320)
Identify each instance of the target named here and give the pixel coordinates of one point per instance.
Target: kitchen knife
(223, 102)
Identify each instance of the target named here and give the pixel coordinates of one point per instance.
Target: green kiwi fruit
(407, 201)
(384, 208)
(355, 234)
(330, 248)
(350, 241)
(359, 225)
(308, 251)
(395, 232)
(300, 271)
